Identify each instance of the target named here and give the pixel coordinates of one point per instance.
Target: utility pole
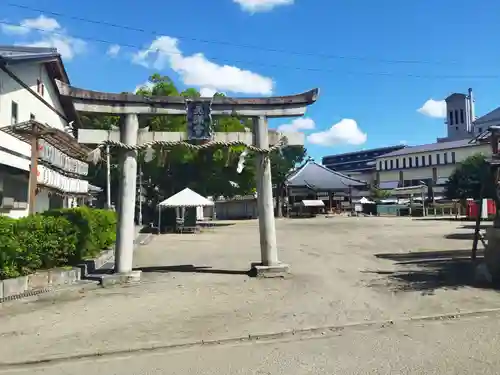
(108, 179)
(33, 175)
(140, 194)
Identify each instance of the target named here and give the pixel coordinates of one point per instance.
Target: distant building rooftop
(430, 147)
(379, 149)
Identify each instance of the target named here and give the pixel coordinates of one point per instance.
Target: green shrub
(53, 239)
(8, 248)
(45, 242)
(96, 229)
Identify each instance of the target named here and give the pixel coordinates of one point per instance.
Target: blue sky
(376, 63)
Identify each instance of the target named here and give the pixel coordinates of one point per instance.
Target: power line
(226, 43)
(299, 68)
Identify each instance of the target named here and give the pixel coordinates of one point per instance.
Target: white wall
(28, 104)
(443, 170)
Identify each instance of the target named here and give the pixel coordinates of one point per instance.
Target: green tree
(472, 178)
(281, 165)
(378, 194)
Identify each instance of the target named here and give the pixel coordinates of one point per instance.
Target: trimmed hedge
(53, 239)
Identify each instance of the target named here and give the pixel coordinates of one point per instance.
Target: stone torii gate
(130, 138)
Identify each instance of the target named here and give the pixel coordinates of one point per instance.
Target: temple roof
(317, 177)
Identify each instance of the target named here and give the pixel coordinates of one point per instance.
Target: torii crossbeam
(129, 107)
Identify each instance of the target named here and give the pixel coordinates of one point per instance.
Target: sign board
(56, 180)
(199, 120)
(57, 158)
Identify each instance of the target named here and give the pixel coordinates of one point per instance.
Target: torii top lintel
(120, 104)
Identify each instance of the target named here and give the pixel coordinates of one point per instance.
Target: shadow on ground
(447, 218)
(461, 236)
(189, 268)
(428, 271)
(154, 230)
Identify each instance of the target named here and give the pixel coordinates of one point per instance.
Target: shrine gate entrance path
(334, 283)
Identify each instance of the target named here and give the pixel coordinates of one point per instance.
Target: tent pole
(159, 220)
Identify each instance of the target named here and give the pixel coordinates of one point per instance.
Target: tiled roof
(439, 146)
(379, 149)
(15, 53)
(317, 177)
(489, 117)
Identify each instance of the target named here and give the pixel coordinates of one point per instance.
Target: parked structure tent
(186, 198)
(181, 200)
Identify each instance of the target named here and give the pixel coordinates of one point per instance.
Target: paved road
(467, 345)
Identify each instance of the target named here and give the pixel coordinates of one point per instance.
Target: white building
(430, 164)
(460, 117)
(28, 92)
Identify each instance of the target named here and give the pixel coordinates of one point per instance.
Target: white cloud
(113, 50)
(197, 70)
(207, 92)
(146, 85)
(254, 6)
(41, 23)
(344, 132)
(433, 108)
(298, 125)
(50, 34)
(14, 29)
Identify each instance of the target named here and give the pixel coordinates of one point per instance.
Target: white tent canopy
(186, 198)
(365, 201)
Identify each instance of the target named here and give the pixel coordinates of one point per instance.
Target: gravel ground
(195, 287)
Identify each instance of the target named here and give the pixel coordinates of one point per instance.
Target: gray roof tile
(318, 177)
(15, 53)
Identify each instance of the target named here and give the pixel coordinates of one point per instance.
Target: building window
(397, 163)
(416, 161)
(430, 159)
(32, 116)
(456, 116)
(40, 87)
(438, 159)
(392, 164)
(453, 157)
(14, 113)
(401, 182)
(451, 117)
(423, 160)
(404, 162)
(479, 130)
(386, 166)
(462, 120)
(456, 128)
(410, 162)
(445, 157)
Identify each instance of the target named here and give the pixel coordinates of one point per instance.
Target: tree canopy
(472, 178)
(211, 172)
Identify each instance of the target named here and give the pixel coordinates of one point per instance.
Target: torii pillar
(129, 107)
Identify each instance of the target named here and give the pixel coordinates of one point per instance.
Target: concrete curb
(92, 265)
(299, 334)
(39, 282)
(45, 281)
